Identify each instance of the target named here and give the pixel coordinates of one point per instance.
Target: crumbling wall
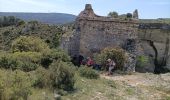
(98, 32)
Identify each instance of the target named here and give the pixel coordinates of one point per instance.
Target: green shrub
(26, 61)
(33, 57)
(117, 54)
(54, 55)
(62, 75)
(14, 85)
(19, 23)
(27, 66)
(59, 54)
(7, 62)
(42, 78)
(30, 43)
(141, 61)
(84, 71)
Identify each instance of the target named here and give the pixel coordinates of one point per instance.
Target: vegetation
(84, 71)
(32, 44)
(113, 14)
(141, 61)
(10, 20)
(129, 15)
(50, 34)
(121, 17)
(14, 85)
(117, 54)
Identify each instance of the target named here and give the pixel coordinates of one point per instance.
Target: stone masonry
(93, 33)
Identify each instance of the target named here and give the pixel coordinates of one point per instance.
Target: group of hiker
(89, 62)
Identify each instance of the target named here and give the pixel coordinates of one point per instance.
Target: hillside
(33, 28)
(48, 18)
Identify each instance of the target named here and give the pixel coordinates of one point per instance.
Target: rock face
(154, 38)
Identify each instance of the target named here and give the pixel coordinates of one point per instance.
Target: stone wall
(97, 32)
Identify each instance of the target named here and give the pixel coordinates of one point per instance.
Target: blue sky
(147, 8)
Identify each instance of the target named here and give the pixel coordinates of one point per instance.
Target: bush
(14, 85)
(113, 14)
(42, 78)
(30, 43)
(129, 15)
(84, 71)
(54, 55)
(117, 54)
(141, 61)
(26, 61)
(7, 62)
(62, 75)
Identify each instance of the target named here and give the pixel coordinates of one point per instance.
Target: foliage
(42, 78)
(84, 71)
(129, 15)
(21, 22)
(117, 54)
(113, 14)
(54, 55)
(14, 85)
(44, 31)
(30, 43)
(26, 61)
(141, 61)
(62, 75)
(7, 62)
(56, 40)
(123, 16)
(8, 20)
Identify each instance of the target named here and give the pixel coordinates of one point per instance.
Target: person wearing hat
(111, 65)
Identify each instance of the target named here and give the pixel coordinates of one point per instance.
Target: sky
(148, 9)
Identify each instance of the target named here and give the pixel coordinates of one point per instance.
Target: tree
(113, 14)
(129, 15)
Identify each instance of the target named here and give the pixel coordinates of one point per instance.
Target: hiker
(80, 59)
(89, 62)
(74, 60)
(111, 65)
(96, 66)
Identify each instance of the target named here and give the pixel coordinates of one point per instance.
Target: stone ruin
(93, 33)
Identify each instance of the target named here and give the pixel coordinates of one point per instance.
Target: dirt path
(151, 86)
(133, 80)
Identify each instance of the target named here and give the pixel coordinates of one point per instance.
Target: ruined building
(94, 33)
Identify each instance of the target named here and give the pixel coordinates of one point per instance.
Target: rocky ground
(142, 86)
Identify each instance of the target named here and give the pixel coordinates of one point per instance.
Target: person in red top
(89, 62)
